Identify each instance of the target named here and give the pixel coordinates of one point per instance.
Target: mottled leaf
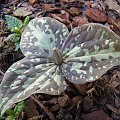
(53, 54)
(89, 52)
(42, 35)
(33, 74)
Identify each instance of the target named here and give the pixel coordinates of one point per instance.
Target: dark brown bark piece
(95, 15)
(96, 115)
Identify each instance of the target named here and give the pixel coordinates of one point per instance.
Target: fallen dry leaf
(50, 8)
(112, 4)
(99, 4)
(112, 108)
(22, 12)
(78, 21)
(74, 11)
(75, 102)
(63, 17)
(34, 3)
(30, 109)
(88, 3)
(64, 100)
(67, 1)
(87, 103)
(96, 115)
(95, 15)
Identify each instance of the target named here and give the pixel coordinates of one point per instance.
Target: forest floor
(99, 100)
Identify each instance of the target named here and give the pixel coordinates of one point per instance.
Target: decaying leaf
(22, 11)
(112, 4)
(50, 8)
(33, 2)
(96, 15)
(63, 17)
(67, 1)
(78, 21)
(53, 54)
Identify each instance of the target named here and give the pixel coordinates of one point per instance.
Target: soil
(99, 100)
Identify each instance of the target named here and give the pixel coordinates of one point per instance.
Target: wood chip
(95, 15)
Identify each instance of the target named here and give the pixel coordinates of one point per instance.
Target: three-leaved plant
(52, 54)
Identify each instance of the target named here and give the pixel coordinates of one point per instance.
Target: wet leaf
(53, 54)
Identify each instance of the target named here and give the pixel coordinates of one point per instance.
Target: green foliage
(26, 21)
(19, 108)
(13, 114)
(16, 26)
(10, 118)
(13, 22)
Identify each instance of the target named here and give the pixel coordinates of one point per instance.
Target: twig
(1, 72)
(40, 103)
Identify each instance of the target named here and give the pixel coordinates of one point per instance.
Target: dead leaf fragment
(63, 17)
(30, 109)
(50, 8)
(34, 3)
(64, 100)
(78, 21)
(87, 103)
(22, 12)
(67, 1)
(112, 4)
(112, 108)
(74, 11)
(96, 115)
(95, 15)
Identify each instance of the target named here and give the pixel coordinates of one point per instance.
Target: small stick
(1, 72)
(40, 103)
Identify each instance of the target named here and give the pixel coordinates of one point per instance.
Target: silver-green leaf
(53, 54)
(13, 22)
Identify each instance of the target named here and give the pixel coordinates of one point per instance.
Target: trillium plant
(53, 54)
